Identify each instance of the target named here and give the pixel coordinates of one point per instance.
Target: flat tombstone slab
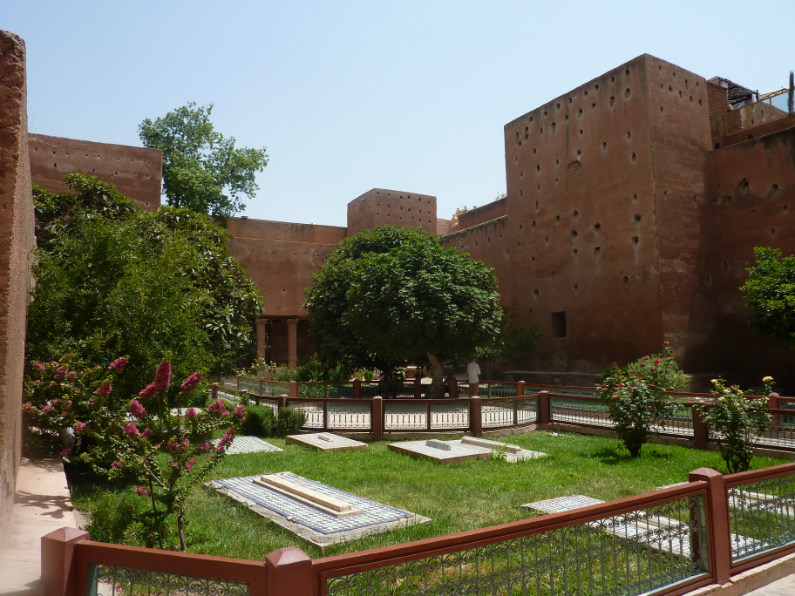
(327, 442)
(245, 444)
(512, 453)
(449, 452)
(559, 504)
(275, 499)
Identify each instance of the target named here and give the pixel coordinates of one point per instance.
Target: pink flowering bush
(634, 396)
(166, 454)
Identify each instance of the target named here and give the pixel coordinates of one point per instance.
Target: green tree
(770, 291)
(394, 294)
(113, 279)
(514, 343)
(202, 170)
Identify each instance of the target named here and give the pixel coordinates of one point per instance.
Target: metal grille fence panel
(313, 410)
(579, 411)
(495, 414)
(120, 581)
(405, 416)
(449, 415)
(502, 390)
(763, 513)
(527, 411)
(349, 416)
(273, 389)
(628, 554)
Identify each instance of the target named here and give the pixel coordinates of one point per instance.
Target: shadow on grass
(612, 456)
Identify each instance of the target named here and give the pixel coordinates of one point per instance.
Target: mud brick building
(633, 205)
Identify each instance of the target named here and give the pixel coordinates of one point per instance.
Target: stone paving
(310, 523)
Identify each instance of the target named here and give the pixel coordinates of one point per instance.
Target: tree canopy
(391, 295)
(770, 291)
(202, 170)
(112, 279)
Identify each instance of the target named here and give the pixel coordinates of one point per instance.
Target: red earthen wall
(477, 216)
(681, 140)
(17, 240)
(380, 207)
(750, 201)
(758, 131)
(488, 242)
(264, 229)
(581, 222)
(281, 269)
(136, 172)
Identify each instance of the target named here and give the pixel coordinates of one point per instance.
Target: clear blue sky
(348, 96)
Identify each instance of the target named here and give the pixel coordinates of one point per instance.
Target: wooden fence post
(417, 388)
(289, 572)
(544, 413)
(283, 401)
(520, 388)
(453, 388)
(700, 431)
(475, 416)
(717, 522)
(357, 389)
(377, 418)
(214, 391)
(57, 555)
(293, 388)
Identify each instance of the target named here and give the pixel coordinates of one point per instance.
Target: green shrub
(290, 421)
(736, 422)
(260, 422)
(113, 519)
(634, 396)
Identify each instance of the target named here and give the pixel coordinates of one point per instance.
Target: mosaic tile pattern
(244, 444)
(318, 527)
(638, 528)
(559, 504)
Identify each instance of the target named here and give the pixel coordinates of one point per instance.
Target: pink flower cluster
(137, 409)
(131, 430)
(177, 446)
(240, 412)
(141, 491)
(218, 408)
(80, 427)
(163, 376)
(105, 389)
(148, 391)
(206, 447)
(191, 382)
(191, 413)
(226, 440)
(118, 365)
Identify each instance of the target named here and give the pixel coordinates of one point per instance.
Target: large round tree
(391, 295)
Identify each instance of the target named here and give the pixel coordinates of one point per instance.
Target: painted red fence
(669, 541)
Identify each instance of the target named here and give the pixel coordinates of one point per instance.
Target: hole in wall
(633, 158)
(575, 251)
(773, 191)
(637, 218)
(597, 228)
(635, 239)
(576, 287)
(604, 146)
(597, 250)
(612, 101)
(634, 197)
(627, 93)
(574, 234)
(626, 72)
(626, 279)
(557, 218)
(629, 135)
(535, 293)
(612, 79)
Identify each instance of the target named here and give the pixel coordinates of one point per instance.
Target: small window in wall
(559, 324)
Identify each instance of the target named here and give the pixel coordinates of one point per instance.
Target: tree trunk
(436, 390)
(181, 527)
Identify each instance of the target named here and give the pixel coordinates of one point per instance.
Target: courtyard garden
(455, 497)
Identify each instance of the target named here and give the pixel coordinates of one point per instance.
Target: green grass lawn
(456, 497)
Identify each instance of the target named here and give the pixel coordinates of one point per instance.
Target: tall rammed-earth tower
(606, 189)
